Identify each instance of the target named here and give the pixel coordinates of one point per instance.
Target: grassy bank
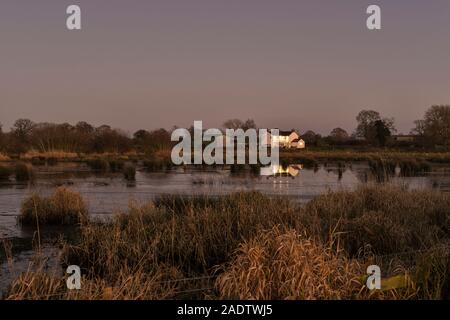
(4, 157)
(161, 159)
(349, 155)
(250, 246)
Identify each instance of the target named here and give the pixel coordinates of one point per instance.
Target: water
(110, 193)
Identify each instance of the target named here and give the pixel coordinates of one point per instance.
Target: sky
(304, 64)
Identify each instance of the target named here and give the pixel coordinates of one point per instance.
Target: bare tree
(372, 127)
(339, 134)
(435, 127)
(238, 124)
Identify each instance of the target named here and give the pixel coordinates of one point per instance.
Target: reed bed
(283, 264)
(250, 246)
(58, 154)
(381, 220)
(195, 234)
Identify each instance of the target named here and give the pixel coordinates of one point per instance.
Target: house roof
(286, 133)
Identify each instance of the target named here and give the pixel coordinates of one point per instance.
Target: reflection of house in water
(281, 171)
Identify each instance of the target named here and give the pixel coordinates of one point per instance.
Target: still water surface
(110, 193)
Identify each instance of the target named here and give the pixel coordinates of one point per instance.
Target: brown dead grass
(64, 207)
(286, 265)
(136, 285)
(57, 154)
(264, 248)
(4, 157)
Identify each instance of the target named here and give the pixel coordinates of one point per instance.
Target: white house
(287, 139)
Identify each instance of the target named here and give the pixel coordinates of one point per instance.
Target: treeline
(373, 130)
(26, 135)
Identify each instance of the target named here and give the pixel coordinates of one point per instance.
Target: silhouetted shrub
(129, 172)
(24, 172)
(98, 165)
(116, 165)
(38, 161)
(52, 161)
(5, 172)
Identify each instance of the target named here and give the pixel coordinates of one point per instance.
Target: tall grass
(129, 172)
(58, 154)
(137, 285)
(382, 220)
(283, 264)
(4, 157)
(262, 248)
(195, 234)
(64, 207)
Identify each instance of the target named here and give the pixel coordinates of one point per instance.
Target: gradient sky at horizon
(305, 64)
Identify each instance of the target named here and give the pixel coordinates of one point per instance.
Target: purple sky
(306, 64)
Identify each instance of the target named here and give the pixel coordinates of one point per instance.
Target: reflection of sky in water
(107, 194)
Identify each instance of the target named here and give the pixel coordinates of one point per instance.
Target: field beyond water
(316, 154)
(248, 246)
(368, 155)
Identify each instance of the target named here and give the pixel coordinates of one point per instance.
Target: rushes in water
(5, 172)
(129, 172)
(24, 172)
(64, 207)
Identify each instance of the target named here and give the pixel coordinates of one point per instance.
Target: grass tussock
(99, 164)
(279, 264)
(158, 160)
(129, 172)
(64, 207)
(24, 172)
(5, 172)
(116, 165)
